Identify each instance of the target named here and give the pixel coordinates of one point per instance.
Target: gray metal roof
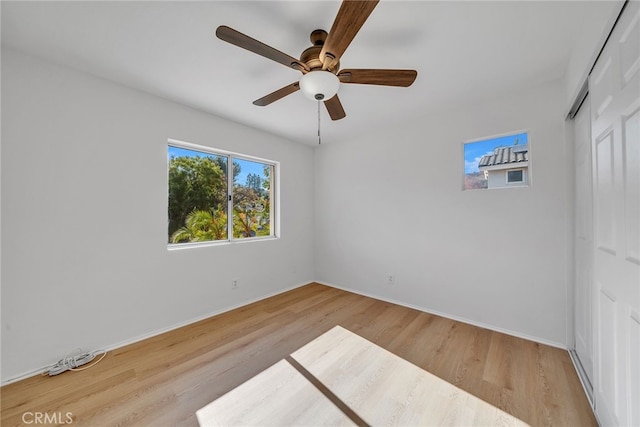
(505, 155)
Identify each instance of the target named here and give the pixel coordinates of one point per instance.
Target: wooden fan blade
(364, 76)
(334, 108)
(351, 16)
(278, 94)
(252, 45)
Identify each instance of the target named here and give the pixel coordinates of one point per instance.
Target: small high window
(497, 162)
(216, 196)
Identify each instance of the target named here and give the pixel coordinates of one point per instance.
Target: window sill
(183, 246)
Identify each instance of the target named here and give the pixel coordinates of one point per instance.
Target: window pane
(252, 199)
(514, 176)
(197, 196)
(486, 161)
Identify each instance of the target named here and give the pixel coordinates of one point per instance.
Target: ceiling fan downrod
(319, 140)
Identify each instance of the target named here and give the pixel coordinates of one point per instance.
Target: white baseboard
(452, 317)
(142, 337)
(260, 298)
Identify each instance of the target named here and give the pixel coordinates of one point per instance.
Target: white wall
(391, 202)
(84, 199)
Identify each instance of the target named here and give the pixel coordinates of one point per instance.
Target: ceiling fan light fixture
(319, 85)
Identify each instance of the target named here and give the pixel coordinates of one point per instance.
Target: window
(515, 176)
(496, 162)
(208, 204)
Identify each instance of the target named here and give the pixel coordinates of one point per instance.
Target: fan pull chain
(319, 140)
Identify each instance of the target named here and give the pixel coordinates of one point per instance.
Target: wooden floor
(163, 380)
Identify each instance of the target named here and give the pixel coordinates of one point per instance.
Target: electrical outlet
(234, 284)
(390, 279)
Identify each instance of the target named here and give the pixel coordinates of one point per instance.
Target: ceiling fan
(320, 63)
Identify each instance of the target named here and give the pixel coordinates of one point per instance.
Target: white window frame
(274, 205)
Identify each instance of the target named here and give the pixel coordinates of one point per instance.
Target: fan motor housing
(311, 55)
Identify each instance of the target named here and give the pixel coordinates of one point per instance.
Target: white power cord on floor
(73, 362)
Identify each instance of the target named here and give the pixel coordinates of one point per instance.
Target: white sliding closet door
(583, 243)
(615, 116)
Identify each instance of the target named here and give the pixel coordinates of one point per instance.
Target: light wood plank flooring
(163, 380)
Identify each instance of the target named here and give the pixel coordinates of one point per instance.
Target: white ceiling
(463, 52)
